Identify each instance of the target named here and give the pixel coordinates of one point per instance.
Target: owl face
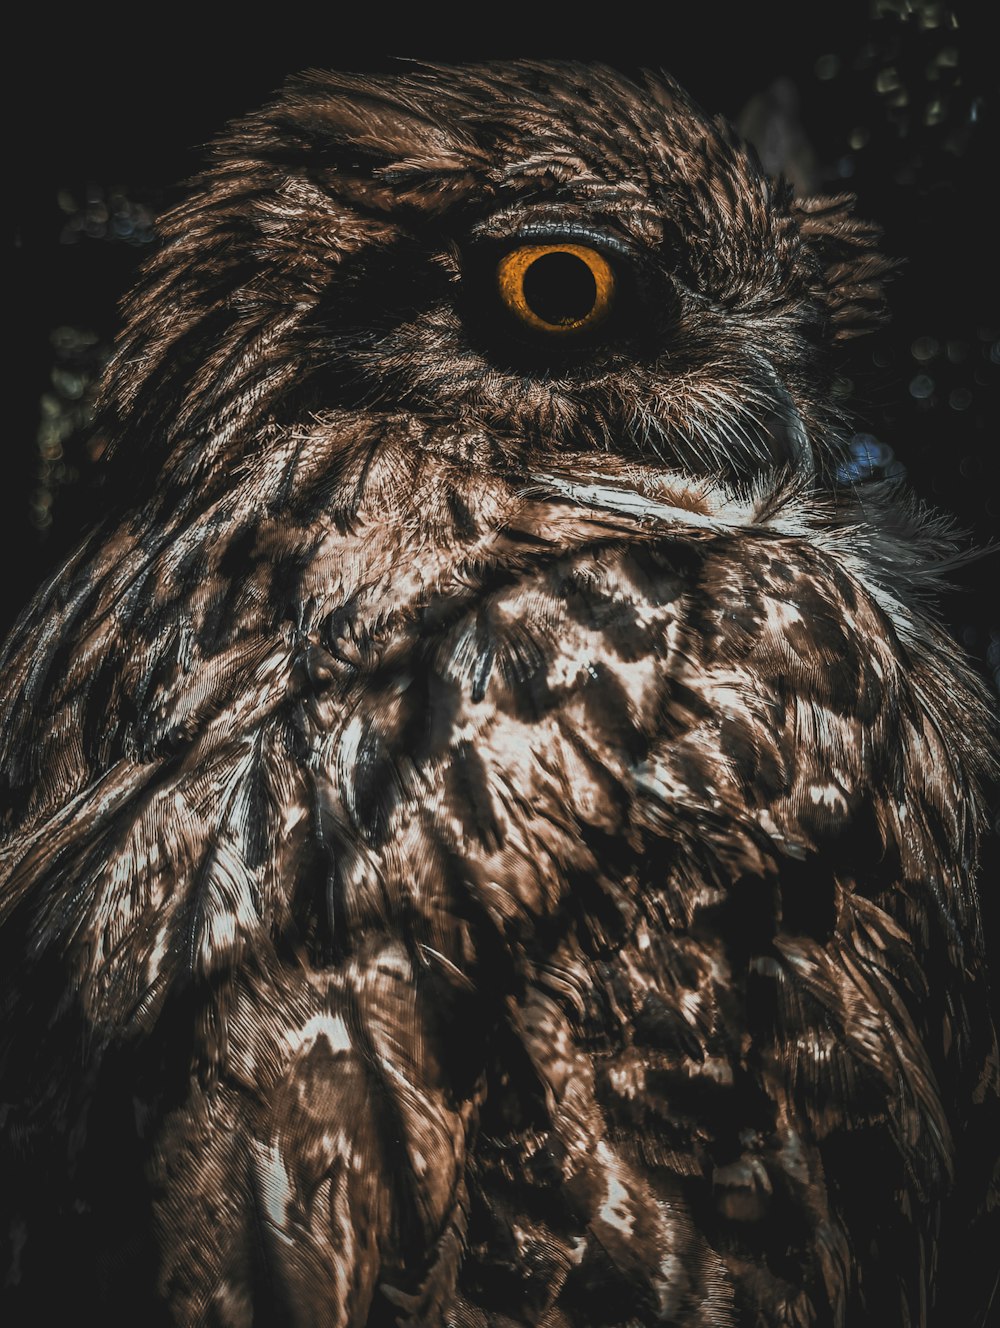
(527, 260)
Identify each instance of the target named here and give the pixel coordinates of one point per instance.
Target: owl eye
(559, 289)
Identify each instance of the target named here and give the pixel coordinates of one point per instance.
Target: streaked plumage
(493, 826)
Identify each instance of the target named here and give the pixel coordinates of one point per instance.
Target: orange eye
(559, 289)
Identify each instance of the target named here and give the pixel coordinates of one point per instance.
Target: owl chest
(503, 724)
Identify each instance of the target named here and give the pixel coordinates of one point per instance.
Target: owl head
(528, 257)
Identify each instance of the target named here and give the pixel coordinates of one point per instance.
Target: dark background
(894, 101)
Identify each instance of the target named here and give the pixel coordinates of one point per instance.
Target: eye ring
(559, 289)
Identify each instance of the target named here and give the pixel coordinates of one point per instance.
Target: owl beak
(785, 435)
(787, 442)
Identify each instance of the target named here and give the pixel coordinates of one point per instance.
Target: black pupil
(559, 288)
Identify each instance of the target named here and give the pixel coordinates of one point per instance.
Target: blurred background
(894, 100)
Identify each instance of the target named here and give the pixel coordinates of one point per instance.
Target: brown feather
(491, 830)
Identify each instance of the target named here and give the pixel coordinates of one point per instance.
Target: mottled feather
(491, 839)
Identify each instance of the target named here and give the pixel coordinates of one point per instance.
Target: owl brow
(511, 224)
(575, 231)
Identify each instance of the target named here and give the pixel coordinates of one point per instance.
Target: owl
(490, 816)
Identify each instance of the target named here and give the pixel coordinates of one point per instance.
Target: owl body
(493, 828)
